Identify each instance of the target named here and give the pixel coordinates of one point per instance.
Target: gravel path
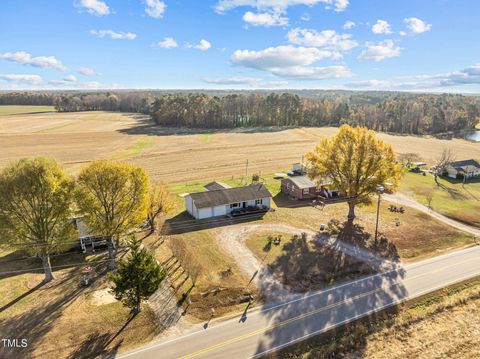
(410, 202)
(232, 239)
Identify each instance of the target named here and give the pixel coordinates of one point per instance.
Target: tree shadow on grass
(348, 289)
(355, 235)
(35, 323)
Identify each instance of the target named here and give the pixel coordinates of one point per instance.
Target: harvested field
(178, 155)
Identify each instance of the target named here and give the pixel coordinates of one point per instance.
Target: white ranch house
(222, 201)
(468, 168)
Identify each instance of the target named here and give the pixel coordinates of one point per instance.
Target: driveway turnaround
(275, 326)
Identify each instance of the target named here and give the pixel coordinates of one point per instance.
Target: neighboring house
(221, 202)
(302, 187)
(467, 168)
(87, 240)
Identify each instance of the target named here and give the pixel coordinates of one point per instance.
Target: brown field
(442, 325)
(175, 155)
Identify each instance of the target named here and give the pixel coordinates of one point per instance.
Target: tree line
(381, 111)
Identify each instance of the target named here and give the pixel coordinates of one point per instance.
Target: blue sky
(420, 45)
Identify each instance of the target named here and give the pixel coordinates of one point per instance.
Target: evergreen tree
(138, 276)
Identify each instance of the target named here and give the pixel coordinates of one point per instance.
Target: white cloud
(202, 45)
(416, 26)
(305, 17)
(116, 35)
(467, 76)
(155, 8)
(291, 62)
(94, 7)
(70, 78)
(349, 25)
(167, 43)
(234, 80)
(22, 78)
(380, 51)
(265, 19)
(278, 5)
(86, 71)
(326, 38)
(24, 58)
(402, 33)
(382, 27)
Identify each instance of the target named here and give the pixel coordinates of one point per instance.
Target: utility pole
(380, 190)
(246, 170)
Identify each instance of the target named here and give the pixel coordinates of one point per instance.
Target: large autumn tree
(36, 199)
(356, 163)
(114, 198)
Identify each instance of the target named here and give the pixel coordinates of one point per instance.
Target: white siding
(220, 210)
(204, 212)
(189, 205)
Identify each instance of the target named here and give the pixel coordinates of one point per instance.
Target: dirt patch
(102, 296)
(222, 299)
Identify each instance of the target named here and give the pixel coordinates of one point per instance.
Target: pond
(473, 135)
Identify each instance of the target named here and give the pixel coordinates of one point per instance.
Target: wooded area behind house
(396, 112)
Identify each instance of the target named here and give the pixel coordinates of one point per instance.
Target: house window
(235, 205)
(258, 201)
(305, 191)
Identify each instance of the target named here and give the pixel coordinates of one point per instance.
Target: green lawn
(135, 150)
(451, 197)
(6, 110)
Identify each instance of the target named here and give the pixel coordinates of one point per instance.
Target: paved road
(279, 325)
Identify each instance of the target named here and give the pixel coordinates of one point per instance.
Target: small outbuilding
(226, 201)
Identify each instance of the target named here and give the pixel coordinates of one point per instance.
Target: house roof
(229, 195)
(302, 182)
(305, 182)
(467, 165)
(212, 186)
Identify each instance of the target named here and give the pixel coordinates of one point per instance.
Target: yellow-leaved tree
(36, 200)
(114, 198)
(356, 163)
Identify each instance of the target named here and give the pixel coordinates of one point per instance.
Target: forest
(396, 112)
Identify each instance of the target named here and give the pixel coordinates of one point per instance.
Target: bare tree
(443, 160)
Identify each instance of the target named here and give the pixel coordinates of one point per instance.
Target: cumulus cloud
(278, 5)
(305, 17)
(234, 80)
(326, 38)
(382, 27)
(167, 43)
(380, 51)
(94, 7)
(86, 71)
(155, 8)
(291, 62)
(202, 45)
(349, 25)
(417, 26)
(116, 35)
(265, 19)
(22, 78)
(24, 58)
(468, 76)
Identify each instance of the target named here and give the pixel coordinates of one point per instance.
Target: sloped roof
(229, 195)
(302, 182)
(305, 182)
(467, 165)
(212, 186)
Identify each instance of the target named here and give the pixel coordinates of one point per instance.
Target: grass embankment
(6, 110)
(451, 197)
(63, 318)
(442, 325)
